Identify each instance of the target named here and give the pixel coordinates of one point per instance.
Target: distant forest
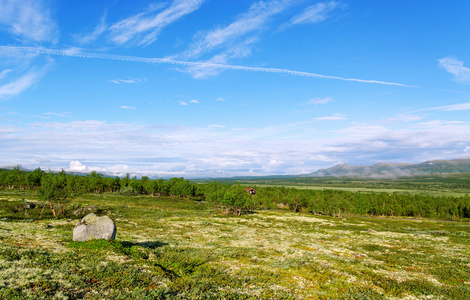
(58, 189)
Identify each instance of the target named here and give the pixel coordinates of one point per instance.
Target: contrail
(75, 53)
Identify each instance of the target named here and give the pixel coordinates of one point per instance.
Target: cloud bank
(214, 150)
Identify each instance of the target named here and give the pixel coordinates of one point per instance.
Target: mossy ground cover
(174, 248)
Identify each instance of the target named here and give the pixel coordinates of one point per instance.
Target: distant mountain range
(388, 170)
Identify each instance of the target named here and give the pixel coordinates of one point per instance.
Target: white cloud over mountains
(205, 151)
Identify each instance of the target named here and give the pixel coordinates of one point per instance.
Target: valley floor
(172, 248)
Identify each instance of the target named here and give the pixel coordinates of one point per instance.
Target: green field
(452, 185)
(175, 248)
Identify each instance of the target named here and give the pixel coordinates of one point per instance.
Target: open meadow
(177, 248)
(449, 184)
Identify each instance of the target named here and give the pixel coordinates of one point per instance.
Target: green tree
(55, 191)
(34, 178)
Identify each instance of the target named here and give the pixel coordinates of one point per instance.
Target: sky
(218, 88)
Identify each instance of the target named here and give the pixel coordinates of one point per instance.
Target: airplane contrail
(79, 54)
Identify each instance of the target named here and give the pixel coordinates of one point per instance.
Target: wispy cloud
(93, 36)
(144, 27)
(132, 81)
(210, 67)
(313, 14)
(88, 55)
(20, 84)
(454, 107)
(246, 23)
(334, 117)
(185, 103)
(62, 114)
(403, 118)
(4, 73)
(127, 107)
(28, 20)
(317, 101)
(455, 67)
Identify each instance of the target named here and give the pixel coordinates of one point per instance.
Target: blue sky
(199, 88)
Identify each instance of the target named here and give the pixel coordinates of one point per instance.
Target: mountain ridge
(394, 170)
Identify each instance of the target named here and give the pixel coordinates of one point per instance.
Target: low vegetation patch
(180, 248)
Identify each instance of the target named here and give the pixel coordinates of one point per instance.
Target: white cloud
(220, 99)
(313, 14)
(456, 68)
(131, 81)
(233, 41)
(251, 21)
(189, 152)
(24, 70)
(405, 118)
(63, 114)
(185, 103)
(77, 166)
(20, 84)
(334, 117)
(127, 107)
(93, 36)
(144, 27)
(318, 101)
(454, 107)
(28, 20)
(4, 73)
(208, 65)
(217, 126)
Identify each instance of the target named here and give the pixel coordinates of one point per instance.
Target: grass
(173, 248)
(449, 184)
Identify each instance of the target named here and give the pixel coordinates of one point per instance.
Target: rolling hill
(390, 170)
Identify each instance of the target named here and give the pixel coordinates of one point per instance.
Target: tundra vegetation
(181, 240)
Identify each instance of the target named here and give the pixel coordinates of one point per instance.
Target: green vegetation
(216, 241)
(454, 185)
(57, 190)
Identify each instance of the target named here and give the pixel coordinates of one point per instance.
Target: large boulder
(92, 227)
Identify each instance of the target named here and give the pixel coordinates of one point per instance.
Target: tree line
(57, 189)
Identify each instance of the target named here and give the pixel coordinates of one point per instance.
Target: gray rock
(92, 227)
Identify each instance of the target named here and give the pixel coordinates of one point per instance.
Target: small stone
(92, 227)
